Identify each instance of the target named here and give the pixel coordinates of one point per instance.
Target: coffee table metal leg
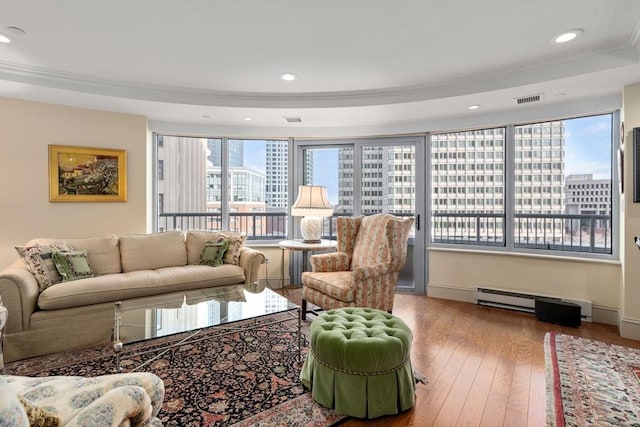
(117, 343)
(299, 334)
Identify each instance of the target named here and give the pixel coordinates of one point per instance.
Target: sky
(588, 146)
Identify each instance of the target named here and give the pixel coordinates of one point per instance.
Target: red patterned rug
(248, 378)
(591, 383)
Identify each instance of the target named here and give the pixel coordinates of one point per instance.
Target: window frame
(510, 194)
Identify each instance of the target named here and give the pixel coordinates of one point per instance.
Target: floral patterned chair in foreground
(363, 272)
(128, 399)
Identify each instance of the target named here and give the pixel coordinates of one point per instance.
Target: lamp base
(311, 229)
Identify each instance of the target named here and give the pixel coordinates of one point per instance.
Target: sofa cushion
(213, 253)
(40, 262)
(103, 252)
(139, 283)
(152, 251)
(72, 265)
(197, 238)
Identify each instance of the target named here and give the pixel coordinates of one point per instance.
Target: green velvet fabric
(358, 363)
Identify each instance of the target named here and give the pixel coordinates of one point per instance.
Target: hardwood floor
(484, 366)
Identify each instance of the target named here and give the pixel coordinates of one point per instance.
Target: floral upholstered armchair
(364, 271)
(128, 399)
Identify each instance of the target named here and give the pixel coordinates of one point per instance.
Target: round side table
(305, 247)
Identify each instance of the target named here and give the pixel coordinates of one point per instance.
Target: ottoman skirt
(358, 363)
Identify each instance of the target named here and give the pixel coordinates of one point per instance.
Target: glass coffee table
(215, 310)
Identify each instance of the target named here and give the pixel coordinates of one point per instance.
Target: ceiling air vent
(293, 119)
(529, 99)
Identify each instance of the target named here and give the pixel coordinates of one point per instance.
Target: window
(560, 170)
(190, 183)
(469, 221)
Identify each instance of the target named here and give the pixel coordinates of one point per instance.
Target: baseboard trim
(600, 314)
(455, 293)
(629, 328)
(605, 315)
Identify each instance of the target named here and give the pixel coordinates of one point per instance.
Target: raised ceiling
(361, 63)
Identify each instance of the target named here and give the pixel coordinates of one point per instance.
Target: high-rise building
(585, 195)
(388, 180)
(236, 152)
(181, 172)
(277, 175)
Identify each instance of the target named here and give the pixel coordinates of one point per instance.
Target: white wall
(630, 292)
(26, 130)
(454, 274)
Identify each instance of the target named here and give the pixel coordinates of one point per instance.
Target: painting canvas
(84, 174)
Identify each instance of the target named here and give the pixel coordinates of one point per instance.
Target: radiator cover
(526, 302)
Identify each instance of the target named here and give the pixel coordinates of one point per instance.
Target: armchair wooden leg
(304, 309)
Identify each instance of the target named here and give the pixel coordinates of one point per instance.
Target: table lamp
(312, 204)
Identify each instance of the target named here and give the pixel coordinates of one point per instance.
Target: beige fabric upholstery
(134, 284)
(80, 313)
(152, 251)
(103, 252)
(363, 272)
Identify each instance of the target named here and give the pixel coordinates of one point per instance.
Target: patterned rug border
(590, 382)
(291, 412)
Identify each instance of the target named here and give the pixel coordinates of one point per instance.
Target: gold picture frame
(85, 174)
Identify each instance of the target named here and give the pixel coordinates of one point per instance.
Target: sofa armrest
(250, 260)
(19, 292)
(326, 263)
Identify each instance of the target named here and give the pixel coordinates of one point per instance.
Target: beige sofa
(139, 268)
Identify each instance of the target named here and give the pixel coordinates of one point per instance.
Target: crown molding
(519, 75)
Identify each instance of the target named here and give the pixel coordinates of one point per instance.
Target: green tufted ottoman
(358, 363)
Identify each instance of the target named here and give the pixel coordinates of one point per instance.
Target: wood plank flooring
(484, 366)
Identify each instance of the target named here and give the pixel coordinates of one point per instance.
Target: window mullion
(509, 186)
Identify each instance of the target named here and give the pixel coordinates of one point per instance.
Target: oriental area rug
(591, 383)
(245, 378)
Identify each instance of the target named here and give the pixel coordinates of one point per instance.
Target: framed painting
(85, 174)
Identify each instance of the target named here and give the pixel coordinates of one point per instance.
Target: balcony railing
(255, 225)
(559, 232)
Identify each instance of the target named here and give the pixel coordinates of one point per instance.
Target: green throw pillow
(72, 265)
(213, 253)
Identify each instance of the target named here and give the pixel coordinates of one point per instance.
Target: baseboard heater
(524, 301)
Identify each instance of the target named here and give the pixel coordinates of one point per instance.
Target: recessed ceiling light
(247, 119)
(4, 39)
(288, 77)
(473, 107)
(567, 36)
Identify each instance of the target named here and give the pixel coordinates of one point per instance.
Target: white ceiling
(361, 63)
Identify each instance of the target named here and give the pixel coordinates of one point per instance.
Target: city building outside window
(553, 162)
